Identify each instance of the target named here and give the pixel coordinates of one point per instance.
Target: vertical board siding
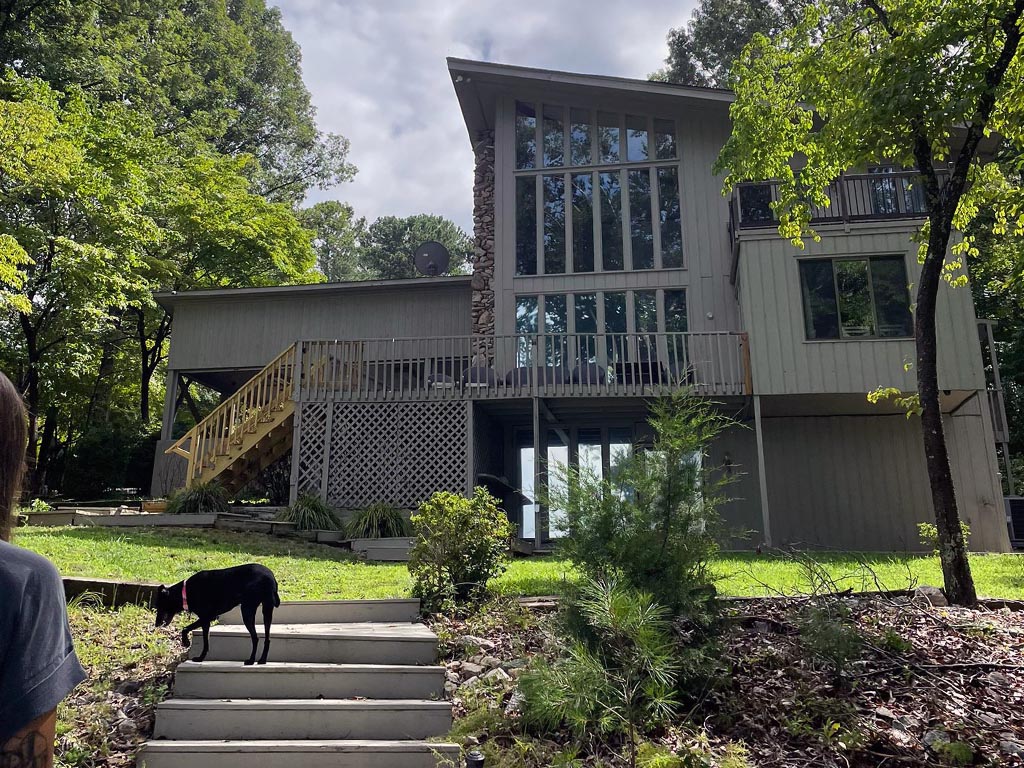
(860, 483)
(224, 332)
(784, 362)
(741, 513)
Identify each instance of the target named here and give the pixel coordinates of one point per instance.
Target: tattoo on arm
(32, 746)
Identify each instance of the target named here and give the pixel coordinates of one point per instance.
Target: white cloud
(377, 73)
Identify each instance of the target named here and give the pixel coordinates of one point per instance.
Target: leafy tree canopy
(389, 243)
(336, 239)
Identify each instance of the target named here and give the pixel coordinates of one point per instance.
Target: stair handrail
(225, 425)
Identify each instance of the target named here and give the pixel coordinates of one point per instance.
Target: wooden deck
(524, 366)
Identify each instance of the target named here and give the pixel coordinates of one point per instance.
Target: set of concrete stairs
(350, 684)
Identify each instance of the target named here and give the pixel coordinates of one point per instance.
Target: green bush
(461, 543)
(653, 523)
(378, 521)
(107, 457)
(199, 499)
(310, 513)
(617, 677)
(826, 630)
(929, 535)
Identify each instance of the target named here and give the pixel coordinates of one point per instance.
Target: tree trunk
(30, 391)
(956, 569)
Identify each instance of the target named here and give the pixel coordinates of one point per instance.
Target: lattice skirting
(353, 454)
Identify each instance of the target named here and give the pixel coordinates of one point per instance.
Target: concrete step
(343, 643)
(336, 612)
(231, 680)
(229, 719)
(287, 754)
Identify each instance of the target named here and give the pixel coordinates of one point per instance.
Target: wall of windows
(856, 298)
(623, 212)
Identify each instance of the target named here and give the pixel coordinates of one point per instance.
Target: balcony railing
(529, 365)
(852, 197)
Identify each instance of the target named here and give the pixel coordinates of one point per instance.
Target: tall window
(855, 298)
(594, 212)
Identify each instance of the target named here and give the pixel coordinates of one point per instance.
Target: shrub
(653, 523)
(929, 535)
(310, 513)
(461, 543)
(616, 677)
(827, 632)
(105, 458)
(199, 499)
(377, 521)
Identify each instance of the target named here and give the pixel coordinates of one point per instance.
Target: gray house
(609, 270)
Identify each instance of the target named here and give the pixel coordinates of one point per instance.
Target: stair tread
(355, 630)
(272, 667)
(317, 704)
(296, 745)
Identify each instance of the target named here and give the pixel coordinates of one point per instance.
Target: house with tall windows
(609, 270)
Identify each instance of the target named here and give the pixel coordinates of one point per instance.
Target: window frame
(871, 294)
(595, 167)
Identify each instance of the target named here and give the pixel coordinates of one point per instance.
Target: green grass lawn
(309, 571)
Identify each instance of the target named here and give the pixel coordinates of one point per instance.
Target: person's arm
(32, 746)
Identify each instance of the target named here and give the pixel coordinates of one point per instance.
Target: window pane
(615, 325)
(554, 224)
(892, 297)
(526, 326)
(821, 319)
(579, 137)
(526, 225)
(526, 135)
(665, 139)
(583, 222)
(640, 230)
(645, 307)
(554, 137)
(636, 137)
(585, 306)
(884, 196)
(675, 311)
(588, 459)
(556, 325)
(671, 218)
(611, 221)
(526, 314)
(608, 136)
(852, 288)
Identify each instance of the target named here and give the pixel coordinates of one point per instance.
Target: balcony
(524, 366)
(880, 196)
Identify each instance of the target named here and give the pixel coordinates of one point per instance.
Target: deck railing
(852, 197)
(526, 365)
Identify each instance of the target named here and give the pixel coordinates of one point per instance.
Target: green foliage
(199, 499)
(337, 233)
(928, 534)
(955, 752)
(461, 544)
(377, 521)
(618, 675)
(654, 756)
(389, 242)
(909, 402)
(107, 457)
(310, 513)
(652, 524)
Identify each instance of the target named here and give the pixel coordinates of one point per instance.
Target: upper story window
(595, 191)
(856, 298)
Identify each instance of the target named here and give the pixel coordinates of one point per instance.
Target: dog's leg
(185, 642)
(249, 619)
(268, 618)
(206, 641)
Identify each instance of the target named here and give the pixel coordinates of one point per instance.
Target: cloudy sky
(377, 72)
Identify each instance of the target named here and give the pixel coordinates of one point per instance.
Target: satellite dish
(431, 258)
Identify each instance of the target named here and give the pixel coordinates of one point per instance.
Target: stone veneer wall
(483, 237)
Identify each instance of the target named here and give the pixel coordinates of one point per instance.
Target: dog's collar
(184, 596)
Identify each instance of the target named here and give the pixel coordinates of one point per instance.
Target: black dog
(208, 594)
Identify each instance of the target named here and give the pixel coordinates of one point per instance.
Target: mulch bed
(926, 685)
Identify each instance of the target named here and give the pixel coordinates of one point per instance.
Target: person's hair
(13, 438)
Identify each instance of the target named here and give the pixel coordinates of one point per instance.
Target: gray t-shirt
(38, 666)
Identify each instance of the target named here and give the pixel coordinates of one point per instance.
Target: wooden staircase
(247, 432)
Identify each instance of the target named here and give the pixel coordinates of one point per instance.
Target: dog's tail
(277, 599)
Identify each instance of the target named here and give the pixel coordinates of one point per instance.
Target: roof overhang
(170, 299)
(478, 85)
